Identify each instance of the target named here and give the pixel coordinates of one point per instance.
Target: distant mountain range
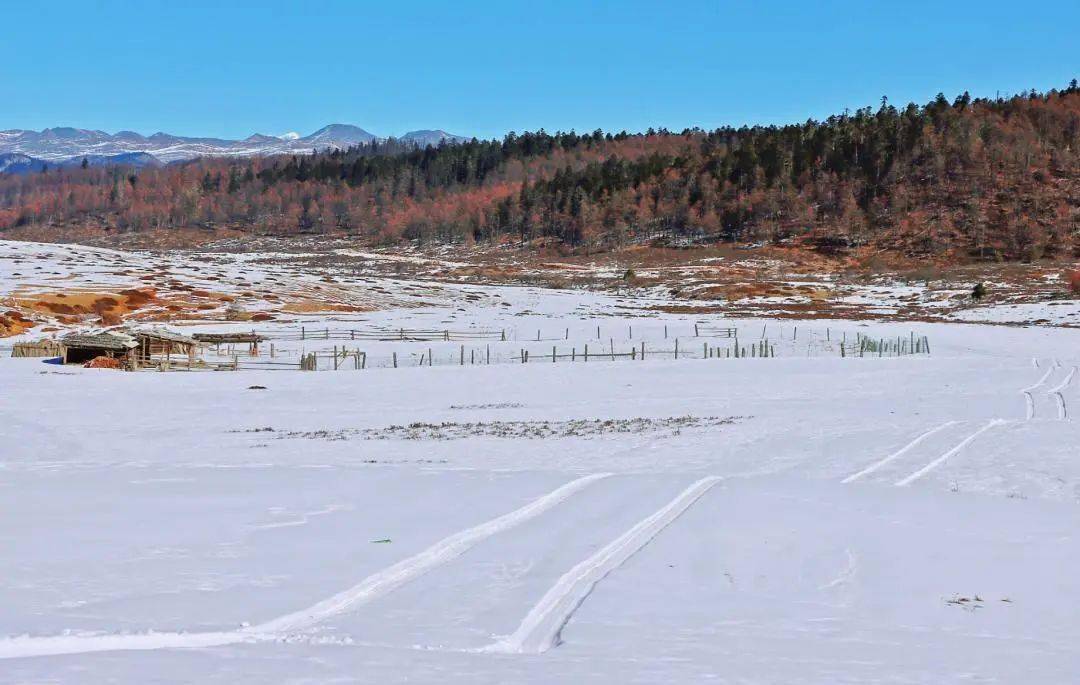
(22, 151)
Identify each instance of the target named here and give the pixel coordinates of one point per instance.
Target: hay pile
(102, 363)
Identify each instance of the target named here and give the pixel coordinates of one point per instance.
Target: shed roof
(119, 342)
(166, 335)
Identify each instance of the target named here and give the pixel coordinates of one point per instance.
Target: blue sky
(234, 68)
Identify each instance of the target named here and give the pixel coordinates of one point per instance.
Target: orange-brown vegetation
(961, 181)
(14, 323)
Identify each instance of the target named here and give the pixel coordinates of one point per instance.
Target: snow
(808, 518)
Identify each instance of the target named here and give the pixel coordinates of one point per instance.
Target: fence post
(704, 350)
(462, 355)
(676, 348)
(586, 351)
(489, 353)
(696, 334)
(642, 350)
(429, 360)
(395, 359)
(363, 361)
(552, 354)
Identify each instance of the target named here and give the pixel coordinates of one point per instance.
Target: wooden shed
(161, 342)
(78, 348)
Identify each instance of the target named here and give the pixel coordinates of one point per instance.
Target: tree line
(983, 178)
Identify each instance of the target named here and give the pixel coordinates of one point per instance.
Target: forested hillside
(970, 178)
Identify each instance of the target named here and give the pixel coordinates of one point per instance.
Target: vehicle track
(1027, 392)
(391, 578)
(1057, 392)
(375, 585)
(951, 453)
(899, 453)
(542, 627)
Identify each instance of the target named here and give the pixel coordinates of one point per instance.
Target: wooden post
(573, 354)
(676, 348)
(302, 335)
(363, 361)
(665, 331)
(429, 359)
(586, 351)
(696, 333)
(704, 350)
(552, 354)
(611, 344)
(631, 328)
(567, 332)
(462, 355)
(642, 350)
(489, 353)
(395, 359)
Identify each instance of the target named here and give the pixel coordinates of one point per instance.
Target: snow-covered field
(800, 519)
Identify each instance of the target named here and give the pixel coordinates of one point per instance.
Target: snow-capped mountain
(62, 145)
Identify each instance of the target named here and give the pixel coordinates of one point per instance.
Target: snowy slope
(824, 519)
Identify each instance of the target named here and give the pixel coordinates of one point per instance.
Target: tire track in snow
(393, 577)
(542, 626)
(945, 457)
(375, 585)
(29, 646)
(1029, 398)
(899, 453)
(1057, 392)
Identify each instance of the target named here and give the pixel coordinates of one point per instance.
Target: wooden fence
(379, 334)
(41, 348)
